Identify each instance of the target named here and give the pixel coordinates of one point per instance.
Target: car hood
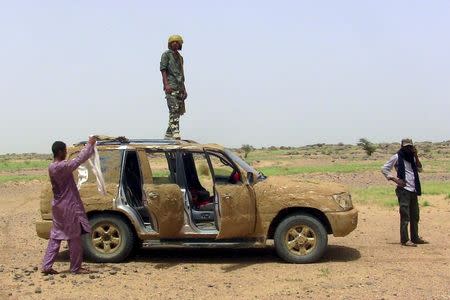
(299, 185)
(291, 191)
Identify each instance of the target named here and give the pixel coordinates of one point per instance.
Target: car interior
(201, 197)
(201, 200)
(132, 185)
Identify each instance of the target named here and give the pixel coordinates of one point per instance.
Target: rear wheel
(111, 239)
(300, 238)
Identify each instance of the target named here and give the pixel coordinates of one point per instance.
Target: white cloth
(83, 174)
(409, 173)
(94, 161)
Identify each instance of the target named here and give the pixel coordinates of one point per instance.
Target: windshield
(243, 164)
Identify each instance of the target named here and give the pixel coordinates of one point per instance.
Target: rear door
(235, 200)
(163, 195)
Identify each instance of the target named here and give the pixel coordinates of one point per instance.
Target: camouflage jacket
(173, 65)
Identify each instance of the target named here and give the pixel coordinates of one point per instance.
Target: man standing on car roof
(171, 67)
(408, 166)
(69, 217)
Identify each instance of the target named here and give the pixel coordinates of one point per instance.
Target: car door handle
(152, 195)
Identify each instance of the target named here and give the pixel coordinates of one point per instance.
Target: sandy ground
(368, 264)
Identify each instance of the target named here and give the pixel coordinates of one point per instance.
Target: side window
(224, 171)
(110, 161)
(163, 165)
(200, 178)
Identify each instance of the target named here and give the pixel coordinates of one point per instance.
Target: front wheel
(300, 239)
(111, 239)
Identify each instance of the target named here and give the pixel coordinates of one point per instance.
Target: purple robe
(69, 216)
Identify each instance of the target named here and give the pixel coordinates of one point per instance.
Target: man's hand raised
(92, 140)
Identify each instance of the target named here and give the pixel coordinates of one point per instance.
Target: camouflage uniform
(172, 63)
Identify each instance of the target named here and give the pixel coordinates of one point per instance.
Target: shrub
(367, 146)
(247, 149)
(425, 203)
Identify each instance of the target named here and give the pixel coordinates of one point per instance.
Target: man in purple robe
(69, 217)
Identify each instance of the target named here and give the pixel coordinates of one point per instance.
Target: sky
(257, 72)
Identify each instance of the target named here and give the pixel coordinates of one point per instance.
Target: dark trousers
(409, 213)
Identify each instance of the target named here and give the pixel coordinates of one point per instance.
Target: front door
(163, 195)
(236, 201)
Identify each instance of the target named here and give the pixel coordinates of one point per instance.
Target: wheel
(300, 239)
(111, 239)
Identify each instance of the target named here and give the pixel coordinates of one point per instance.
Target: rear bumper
(343, 222)
(43, 228)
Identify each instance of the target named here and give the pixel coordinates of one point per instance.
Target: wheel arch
(282, 214)
(121, 215)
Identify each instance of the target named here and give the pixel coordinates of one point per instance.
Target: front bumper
(343, 222)
(43, 228)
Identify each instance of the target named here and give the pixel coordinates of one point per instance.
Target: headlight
(344, 200)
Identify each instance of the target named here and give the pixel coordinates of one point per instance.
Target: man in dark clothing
(408, 166)
(172, 72)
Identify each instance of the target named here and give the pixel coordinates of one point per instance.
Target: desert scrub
(425, 203)
(21, 178)
(385, 195)
(11, 165)
(380, 195)
(331, 168)
(367, 146)
(435, 187)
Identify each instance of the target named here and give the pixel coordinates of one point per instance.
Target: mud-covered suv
(162, 192)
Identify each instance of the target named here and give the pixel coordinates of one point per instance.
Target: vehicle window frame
(232, 164)
(92, 177)
(173, 176)
(241, 162)
(192, 152)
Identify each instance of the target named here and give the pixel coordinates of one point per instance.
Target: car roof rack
(122, 140)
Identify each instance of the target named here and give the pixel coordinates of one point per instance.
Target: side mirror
(250, 178)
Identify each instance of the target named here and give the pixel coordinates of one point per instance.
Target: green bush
(425, 203)
(247, 149)
(367, 146)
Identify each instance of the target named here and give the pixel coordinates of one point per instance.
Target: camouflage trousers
(176, 110)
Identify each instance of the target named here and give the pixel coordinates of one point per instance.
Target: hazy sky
(257, 72)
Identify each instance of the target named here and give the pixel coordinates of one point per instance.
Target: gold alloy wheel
(300, 240)
(106, 237)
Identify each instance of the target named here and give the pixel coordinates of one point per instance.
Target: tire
(300, 239)
(110, 241)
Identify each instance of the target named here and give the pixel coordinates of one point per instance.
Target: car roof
(124, 143)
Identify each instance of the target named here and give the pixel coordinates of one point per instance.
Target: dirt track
(367, 264)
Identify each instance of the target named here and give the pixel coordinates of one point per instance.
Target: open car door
(235, 199)
(162, 193)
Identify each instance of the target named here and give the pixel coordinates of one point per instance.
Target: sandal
(82, 271)
(50, 272)
(409, 244)
(420, 241)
